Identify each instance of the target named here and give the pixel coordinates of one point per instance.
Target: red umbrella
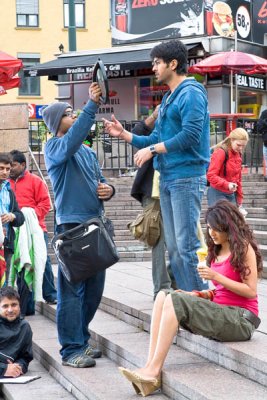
(14, 82)
(230, 61)
(9, 67)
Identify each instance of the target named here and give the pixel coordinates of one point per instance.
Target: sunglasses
(70, 114)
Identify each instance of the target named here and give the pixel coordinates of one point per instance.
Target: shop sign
(35, 111)
(121, 102)
(39, 111)
(114, 74)
(251, 82)
(32, 110)
(135, 21)
(83, 70)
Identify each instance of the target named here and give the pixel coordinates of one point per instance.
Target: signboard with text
(136, 21)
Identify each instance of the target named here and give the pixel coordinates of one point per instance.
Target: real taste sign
(251, 82)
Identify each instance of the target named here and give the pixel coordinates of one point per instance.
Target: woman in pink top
(227, 313)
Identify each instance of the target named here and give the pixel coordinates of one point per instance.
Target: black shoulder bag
(85, 250)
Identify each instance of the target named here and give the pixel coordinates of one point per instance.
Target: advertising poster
(223, 18)
(259, 20)
(121, 102)
(135, 21)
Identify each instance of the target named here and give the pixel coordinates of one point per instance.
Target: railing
(116, 154)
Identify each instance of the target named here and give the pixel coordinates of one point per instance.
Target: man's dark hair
(5, 158)
(18, 156)
(9, 292)
(172, 50)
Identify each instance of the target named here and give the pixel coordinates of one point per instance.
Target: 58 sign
(243, 22)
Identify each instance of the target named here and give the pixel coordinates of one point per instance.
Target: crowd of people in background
(174, 141)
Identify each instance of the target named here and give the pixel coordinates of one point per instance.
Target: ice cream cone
(202, 254)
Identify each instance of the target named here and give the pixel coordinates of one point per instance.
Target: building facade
(36, 31)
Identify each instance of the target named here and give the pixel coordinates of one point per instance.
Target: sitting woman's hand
(206, 272)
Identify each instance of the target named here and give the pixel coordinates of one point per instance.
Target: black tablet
(100, 76)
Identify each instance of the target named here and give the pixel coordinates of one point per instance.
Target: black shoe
(79, 360)
(265, 179)
(91, 352)
(52, 302)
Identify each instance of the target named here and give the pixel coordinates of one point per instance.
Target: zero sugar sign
(243, 23)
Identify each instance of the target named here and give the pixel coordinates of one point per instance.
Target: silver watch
(153, 150)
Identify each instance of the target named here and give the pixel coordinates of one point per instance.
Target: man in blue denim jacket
(79, 190)
(180, 145)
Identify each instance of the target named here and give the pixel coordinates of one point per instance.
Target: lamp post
(72, 26)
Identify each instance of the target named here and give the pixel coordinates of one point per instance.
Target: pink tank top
(224, 296)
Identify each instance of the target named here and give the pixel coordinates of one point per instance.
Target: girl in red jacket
(224, 173)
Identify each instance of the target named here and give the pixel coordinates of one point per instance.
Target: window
(29, 86)
(27, 13)
(79, 13)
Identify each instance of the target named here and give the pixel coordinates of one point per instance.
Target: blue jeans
(180, 201)
(77, 305)
(213, 195)
(49, 290)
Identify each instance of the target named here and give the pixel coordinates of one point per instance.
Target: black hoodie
(15, 343)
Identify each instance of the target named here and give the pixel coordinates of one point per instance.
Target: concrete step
(45, 388)
(258, 224)
(102, 382)
(128, 296)
(185, 375)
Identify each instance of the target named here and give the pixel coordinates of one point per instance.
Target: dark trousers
(77, 305)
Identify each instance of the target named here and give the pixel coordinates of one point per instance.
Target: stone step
(185, 375)
(102, 382)
(258, 224)
(128, 296)
(45, 388)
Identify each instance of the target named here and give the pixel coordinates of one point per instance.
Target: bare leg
(155, 324)
(161, 341)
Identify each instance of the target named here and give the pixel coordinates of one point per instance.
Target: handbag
(85, 250)
(147, 225)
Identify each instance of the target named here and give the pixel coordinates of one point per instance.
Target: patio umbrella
(230, 62)
(9, 67)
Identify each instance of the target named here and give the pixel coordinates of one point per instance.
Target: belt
(251, 317)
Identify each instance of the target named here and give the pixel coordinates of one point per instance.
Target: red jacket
(32, 192)
(216, 175)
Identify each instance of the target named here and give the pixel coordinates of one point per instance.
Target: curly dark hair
(224, 216)
(172, 50)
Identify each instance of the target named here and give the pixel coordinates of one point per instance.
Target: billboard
(136, 21)
(223, 18)
(259, 20)
(139, 21)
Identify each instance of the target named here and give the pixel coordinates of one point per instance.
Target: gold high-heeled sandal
(141, 385)
(126, 373)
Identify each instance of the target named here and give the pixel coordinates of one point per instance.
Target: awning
(115, 59)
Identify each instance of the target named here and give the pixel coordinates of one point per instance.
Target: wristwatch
(153, 150)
